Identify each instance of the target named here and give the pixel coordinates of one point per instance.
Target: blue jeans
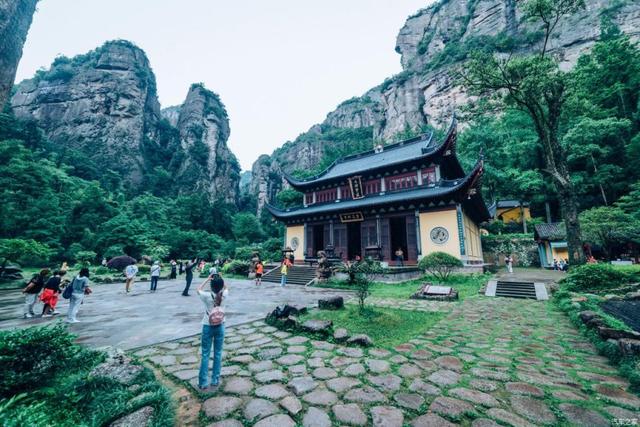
(283, 280)
(186, 289)
(209, 334)
(154, 282)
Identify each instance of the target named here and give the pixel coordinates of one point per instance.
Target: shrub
(86, 257)
(32, 356)
(101, 270)
(245, 253)
(595, 277)
(237, 267)
(26, 252)
(440, 264)
(144, 268)
(272, 249)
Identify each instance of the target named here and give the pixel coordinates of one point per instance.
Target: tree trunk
(569, 210)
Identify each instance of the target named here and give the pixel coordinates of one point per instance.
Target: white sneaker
(47, 315)
(55, 312)
(28, 316)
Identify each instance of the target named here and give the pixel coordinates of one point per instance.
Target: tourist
(51, 293)
(188, 269)
(80, 286)
(284, 271)
(104, 262)
(508, 260)
(211, 334)
(32, 290)
(259, 271)
(155, 275)
(130, 275)
(555, 264)
(400, 257)
(591, 260)
(174, 269)
(213, 269)
(201, 266)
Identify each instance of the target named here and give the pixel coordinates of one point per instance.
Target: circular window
(295, 243)
(439, 235)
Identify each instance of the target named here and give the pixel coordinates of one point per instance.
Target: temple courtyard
(486, 362)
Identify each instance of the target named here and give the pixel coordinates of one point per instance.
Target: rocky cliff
(431, 42)
(208, 164)
(15, 20)
(104, 104)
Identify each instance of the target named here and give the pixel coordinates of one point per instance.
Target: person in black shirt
(50, 294)
(32, 290)
(188, 269)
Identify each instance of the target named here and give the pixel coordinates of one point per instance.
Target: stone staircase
(298, 275)
(516, 289)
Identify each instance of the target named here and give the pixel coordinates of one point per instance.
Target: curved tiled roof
(552, 231)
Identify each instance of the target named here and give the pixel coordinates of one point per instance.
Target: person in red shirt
(259, 271)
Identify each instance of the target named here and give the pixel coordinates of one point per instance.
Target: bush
(86, 257)
(32, 356)
(245, 253)
(144, 268)
(101, 270)
(26, 252)
(237, 267)
(272, 249)
(440, 264)
(597, 277)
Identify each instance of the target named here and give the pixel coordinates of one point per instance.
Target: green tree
(610, 227)
(247, 227)
(536, 85)
(289, 198)
(440, 265)
(27, 253)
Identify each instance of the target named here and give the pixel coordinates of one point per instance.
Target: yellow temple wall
(296, 231)
(513, 214)
(446, 219)
(472, 243)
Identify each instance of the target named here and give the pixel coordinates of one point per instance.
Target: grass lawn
(467, 286)
(387, 327)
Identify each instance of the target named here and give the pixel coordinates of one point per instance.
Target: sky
(279, 65)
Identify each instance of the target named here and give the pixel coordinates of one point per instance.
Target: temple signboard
(351, 217)
(355, 182)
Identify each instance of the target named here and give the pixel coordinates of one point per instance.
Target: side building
(412, 195)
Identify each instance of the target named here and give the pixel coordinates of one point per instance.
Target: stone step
(516, 290)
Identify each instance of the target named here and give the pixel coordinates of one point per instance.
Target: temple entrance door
(353, 240)
(318, 239)
(398, 231)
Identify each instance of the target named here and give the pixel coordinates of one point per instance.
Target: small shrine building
(412, 195)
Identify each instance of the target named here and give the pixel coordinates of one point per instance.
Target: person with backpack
(32, 290)
(212, 331)
(189, 276)
(130, 275)
(284, 271)
(51, 293)
(155, 275)
(79, 288)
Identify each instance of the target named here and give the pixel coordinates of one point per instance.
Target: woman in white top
(211, 334)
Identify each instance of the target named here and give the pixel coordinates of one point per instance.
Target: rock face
(104, 104)
(15, 20)
(430, 43)
(208, 164)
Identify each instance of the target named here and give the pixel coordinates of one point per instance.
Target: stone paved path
(111, 318)
(491, 361)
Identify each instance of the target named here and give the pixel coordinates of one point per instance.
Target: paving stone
(146, 352)
(617, 395)
(238, 385)
(324, 373)
(449, 362)
(169, 345)
(534, 409)
(245, 358)
(269, 353)
(290, 359)
(582, 417)
(568, 395)
(321, 354)
(409, 400)
(256, 409)
(271, 391)
(508, 417)
(263, 365)
(270, 376)
(163, 360)
(281, 334)
(430, 420)
(230, 422)
(229, 370)
(474, 396)
(278, 420)
(220, 407)
(617, 412)
(424, 387)
(483, 385)
(316, 417)
(338, 361)
(379, 352)
(297, 370)
(354, 369)
(489, 374)
(291, 404)
(323, 345)
(320, 397)
(388, 382)
(350, 351)
(189, 360)
(398, 358)
(296, 340)
(141, 417)
(444, 377)
(315, 362)
(484, 422)
(187, 374)
(449, 406)
(364, 394)
(386, 416)
(296, 349)
(426, 365)
(342, 384)
(524, 388)
(341, 335)
(377, 365)
(301, 385)
(350, 414)
(408, 370)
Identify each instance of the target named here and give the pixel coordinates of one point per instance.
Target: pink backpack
(216, 316)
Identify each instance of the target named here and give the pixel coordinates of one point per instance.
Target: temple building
(412, 197)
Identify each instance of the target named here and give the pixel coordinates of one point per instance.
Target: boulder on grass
(361, 340)
(587, 315)
(611, 333)
(629, 347)
(139, 418)
(331, 303)
(291, 322)
(318, 326)
(118, 367)
(341, 335)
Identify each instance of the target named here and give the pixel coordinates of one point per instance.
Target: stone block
(331, 303)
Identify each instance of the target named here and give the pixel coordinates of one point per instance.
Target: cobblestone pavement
(491, 361)
(111, 318)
